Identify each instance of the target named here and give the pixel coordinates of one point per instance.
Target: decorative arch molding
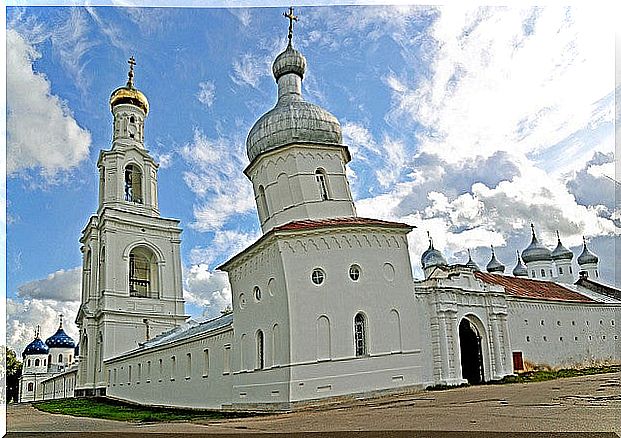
(159, 256)
(485, 347)
(323, 338)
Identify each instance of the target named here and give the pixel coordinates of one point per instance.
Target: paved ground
(580, 404)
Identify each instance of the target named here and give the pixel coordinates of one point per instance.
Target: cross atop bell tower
(291, 18)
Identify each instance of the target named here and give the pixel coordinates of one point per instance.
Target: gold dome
(131, 96)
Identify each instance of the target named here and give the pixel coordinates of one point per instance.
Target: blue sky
(466, 122)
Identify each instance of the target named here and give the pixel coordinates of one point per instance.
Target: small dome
(432, 257)
(289, 61)
(60, 339)
(586, 257)
(520, 270)
(560, 252)
(36, 347)
(536, 252)
(471, 263)
(494, 265)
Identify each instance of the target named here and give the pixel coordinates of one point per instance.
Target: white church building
(324, 302)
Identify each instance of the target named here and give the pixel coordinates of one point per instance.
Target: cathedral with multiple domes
(324, 303)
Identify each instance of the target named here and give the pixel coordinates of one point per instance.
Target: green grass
(113, 410)
(543, 375)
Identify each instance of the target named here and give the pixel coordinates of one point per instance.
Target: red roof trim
(536, 289)
(338, 222)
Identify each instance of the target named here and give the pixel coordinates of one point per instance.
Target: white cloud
(216, 177)
(41, 131)
(23, 317)
(225, 244)
(243, 15)
(59, 286)
(207, 289)
(248, 69)
(206, 93)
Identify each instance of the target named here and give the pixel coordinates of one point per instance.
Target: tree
(13, 373)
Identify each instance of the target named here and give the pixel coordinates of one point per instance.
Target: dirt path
(581, 404)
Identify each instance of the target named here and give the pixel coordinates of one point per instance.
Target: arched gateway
(471, 352)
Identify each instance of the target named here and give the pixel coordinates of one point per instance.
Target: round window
(318, 276)
(257, 293)
(354, 272)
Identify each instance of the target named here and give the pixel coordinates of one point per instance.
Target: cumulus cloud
(59, 286)
(206, 93)
(592, 185)
(23, 316)
(207, 289)
(216, 177)
(41, 131)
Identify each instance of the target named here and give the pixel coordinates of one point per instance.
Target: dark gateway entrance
(471, 353)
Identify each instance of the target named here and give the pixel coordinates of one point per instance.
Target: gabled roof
(537, 289)
(338, 222)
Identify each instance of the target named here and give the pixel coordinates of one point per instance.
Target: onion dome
(587, 256)
(560, 252)
(494, 265)
(60, 339)
(292, 120)
(520, 270)
(471, 263)
(129, 94)
(432, 257)
(37, 346)
(536, 252)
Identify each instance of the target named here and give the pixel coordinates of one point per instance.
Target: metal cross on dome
(291, 18)
(132, 63)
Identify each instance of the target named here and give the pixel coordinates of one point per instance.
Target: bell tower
(131, 275)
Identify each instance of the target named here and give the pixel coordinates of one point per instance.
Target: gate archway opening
(471, 352)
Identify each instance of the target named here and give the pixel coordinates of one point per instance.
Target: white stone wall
(60, 385)
(564, 334)
(185, 381)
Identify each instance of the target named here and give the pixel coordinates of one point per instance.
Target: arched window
(142, 273)
(60, 358)
(29, 363)
(322, 184)
(543, 273)
(360, 332)
(260, 351)
(30, 386)
(133, 184)
(102, 270)
(560, 270)
(69, 358)
(49, 359)
(262, 203)
(323, 338)
(37, 362)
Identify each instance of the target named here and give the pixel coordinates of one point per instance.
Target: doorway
(471, 352)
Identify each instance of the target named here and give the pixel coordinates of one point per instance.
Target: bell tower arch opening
(143, 273)
(471, 349)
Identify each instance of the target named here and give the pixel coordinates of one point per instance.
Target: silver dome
(520, 270)
(536, 252)
(586, 256)
(560, 252)
(494, 265)
(471, 263)
(432, 257)
(292, 120)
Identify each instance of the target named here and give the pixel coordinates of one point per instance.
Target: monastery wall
(60, 385)
(564, 334)
(192, 373)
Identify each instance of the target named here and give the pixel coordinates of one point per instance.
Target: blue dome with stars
(36, 347)
(60, 339)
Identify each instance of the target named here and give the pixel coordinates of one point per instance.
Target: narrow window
(260, 351)
(148, 371)
(263, 210)
(139, 373)
(173, 367)
(320, 177)
(360, 335)
(206, 362)
(44, 362)
(188, 367)
(133, 184)
(70, 358)
(29, 363)
(560, 270)
(533, 274)
(116, 375)
(109, 374)
(257, 293)
(129, 375)
(161, 374)
(543, 273)
(37, 362)
(570, 270)
(60, 358)
(596, 274)
(226, 369)
(30, 386)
